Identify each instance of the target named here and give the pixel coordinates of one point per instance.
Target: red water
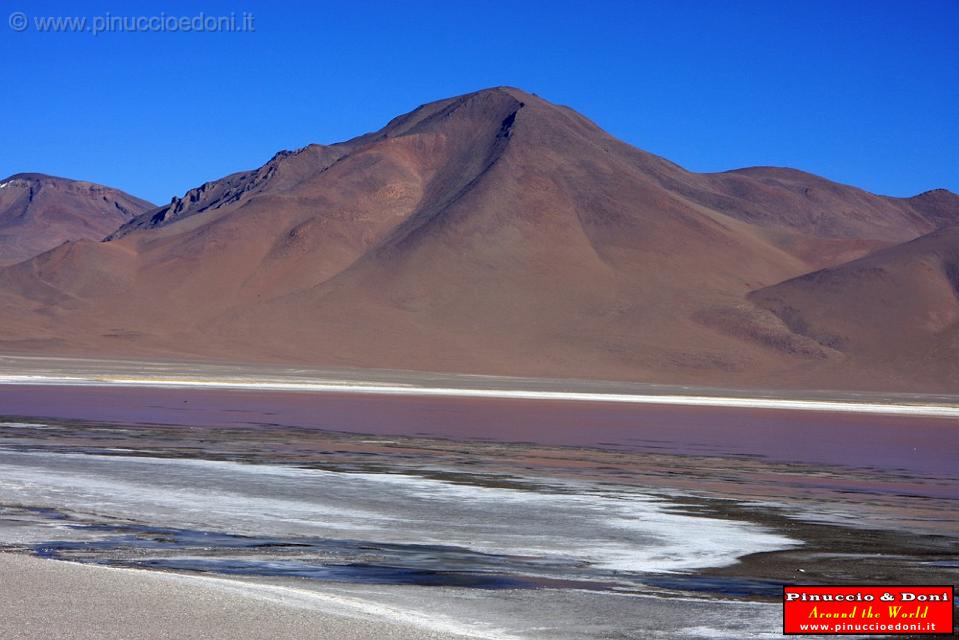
(918, 445)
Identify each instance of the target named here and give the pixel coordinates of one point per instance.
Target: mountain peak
(39, 212)
(489, 112)
(514, 92)
(33, 176)
(492, 232)
(35, 180)
(938, 193)
(32, 179)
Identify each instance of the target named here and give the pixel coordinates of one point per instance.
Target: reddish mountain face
(489, 233)
(39, 212)
(899, 305)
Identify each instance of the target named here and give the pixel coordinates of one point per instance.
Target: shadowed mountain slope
(896, 310)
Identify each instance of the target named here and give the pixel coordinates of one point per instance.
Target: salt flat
(18, 370)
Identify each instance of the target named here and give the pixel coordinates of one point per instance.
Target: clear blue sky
(865, 93)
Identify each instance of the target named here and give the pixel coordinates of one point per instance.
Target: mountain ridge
(493, 233)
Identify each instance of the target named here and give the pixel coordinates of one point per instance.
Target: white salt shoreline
(402, 389)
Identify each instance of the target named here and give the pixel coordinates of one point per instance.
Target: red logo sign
(862, 610)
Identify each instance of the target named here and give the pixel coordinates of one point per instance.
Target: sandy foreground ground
(68, 601)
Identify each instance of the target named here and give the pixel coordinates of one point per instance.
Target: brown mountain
(492, 233)
(39, 212)
(896, 310)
